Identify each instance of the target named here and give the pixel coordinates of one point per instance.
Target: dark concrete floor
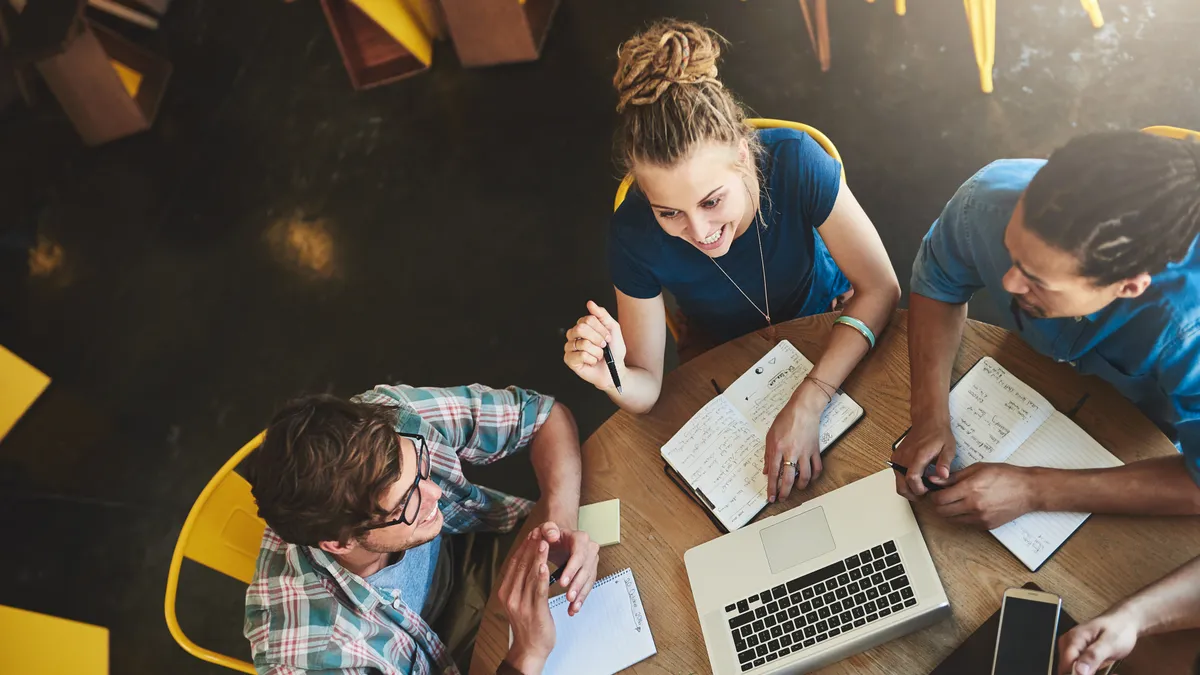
(278, 233)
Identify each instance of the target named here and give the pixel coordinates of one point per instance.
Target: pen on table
(924, 479)
(1071, 413)
(612, 367)
(716, 386)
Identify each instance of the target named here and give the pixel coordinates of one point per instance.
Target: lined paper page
(609, 634)
(720, 455)
(762, 392)
(992, 413)
(1058, 444)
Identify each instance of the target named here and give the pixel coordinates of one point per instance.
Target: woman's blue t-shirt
(800, 183)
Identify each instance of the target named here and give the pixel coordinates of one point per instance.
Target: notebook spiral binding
(559, 600)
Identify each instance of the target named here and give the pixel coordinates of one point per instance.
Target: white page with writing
(992, 413)
(762, 392)
(1058, 444)
(719, 452)
(608, 635)
(720, 455)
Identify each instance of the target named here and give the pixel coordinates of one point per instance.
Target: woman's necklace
(761, 259)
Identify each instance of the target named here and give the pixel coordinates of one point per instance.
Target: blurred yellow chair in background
(223, 532)
(757, 123)
(981, 18)
(22, 384)
(1174, 132)
(40, 644)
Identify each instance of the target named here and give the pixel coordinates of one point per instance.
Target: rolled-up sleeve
(485, 424)
(945, 269)
(1179, 377)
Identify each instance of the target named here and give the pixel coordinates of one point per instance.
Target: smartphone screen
(1027, 635)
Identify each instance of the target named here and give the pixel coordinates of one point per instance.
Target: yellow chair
(981, 18)
(1174, 132)
(901, 6)
(222, 531)
(40, 644)
(23, 384)
(757, 123)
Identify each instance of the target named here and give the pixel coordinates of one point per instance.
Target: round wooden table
(1109, 558)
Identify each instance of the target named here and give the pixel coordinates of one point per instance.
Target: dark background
(278, 233)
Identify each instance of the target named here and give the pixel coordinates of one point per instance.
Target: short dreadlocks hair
(1124, 203)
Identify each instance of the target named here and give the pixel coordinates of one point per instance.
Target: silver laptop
(816, 584)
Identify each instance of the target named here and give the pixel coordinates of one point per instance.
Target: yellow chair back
(1174, 132)
(757, 123)
(223, 532)
(40, 644)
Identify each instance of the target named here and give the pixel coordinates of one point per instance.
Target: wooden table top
(1109, 558)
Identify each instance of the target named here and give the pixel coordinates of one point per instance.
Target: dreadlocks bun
(668, 53)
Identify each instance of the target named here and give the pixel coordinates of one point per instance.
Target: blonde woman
(745, 228)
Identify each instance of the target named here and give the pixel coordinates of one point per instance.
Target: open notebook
(609, 634)
(719, 452)
(998, 418)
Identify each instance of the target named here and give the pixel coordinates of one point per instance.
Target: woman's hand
(795, 437)
(584, 349)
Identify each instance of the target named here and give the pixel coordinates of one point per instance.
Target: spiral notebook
(718, 454)
(608, 635)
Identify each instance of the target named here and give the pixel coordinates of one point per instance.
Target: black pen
(612, 367)
(716, 386)
(555, 575)
(924, 479)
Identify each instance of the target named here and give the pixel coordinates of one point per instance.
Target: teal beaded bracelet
(858, 326)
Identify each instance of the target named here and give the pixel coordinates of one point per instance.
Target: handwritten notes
(1058, 444)
(719, 452)
(720, 455)
(992, 413)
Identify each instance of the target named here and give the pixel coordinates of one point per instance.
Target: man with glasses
(379, 554)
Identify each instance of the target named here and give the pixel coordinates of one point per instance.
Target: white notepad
(998, 418)
(608, 635)
(719, 452)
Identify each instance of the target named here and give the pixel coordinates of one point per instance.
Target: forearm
(846, 346)
(934, 332)
(639, 389)
(1169, 604)
(1153, 487)
(554, 453)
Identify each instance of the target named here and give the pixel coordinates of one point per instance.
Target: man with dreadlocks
(1093, 252)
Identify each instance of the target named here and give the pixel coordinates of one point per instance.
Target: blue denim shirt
(1148, 347)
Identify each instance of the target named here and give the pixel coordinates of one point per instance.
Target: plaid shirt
(305, 613)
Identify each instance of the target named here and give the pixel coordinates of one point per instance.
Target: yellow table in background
(40, 644)
(20, 385)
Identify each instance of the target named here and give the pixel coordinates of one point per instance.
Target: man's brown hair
(323, 467)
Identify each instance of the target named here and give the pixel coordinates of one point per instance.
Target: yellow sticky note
(131, 78)
(20, 385)
(602, 521)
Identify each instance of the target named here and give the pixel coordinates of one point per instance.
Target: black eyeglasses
(410, 508)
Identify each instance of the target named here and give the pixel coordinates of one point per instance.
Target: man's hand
(576, 554)
(986, 494)
(1108, 637)
(795, 437)
(524, 590)
(924, 443)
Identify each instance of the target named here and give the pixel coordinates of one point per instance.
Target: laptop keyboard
(836, 599)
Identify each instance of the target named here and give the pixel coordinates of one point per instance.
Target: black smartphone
(1028, 632)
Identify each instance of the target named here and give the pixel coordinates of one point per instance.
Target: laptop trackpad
(797, 539)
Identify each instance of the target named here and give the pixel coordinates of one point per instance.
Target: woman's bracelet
(858, 326)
